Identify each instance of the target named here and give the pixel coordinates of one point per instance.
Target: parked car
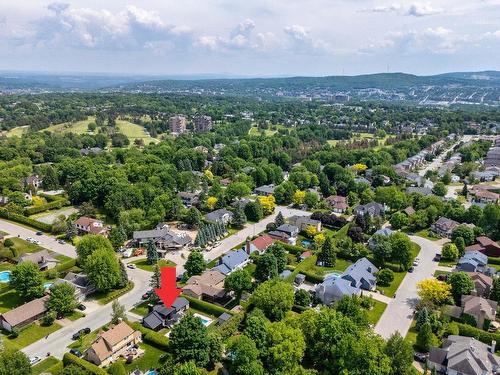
(437, 257)
(131, 266)
(34, 360)
(419, 357)
(29, 239)
(147, 294)
(411, 269)
(62, 242)
(76, 352)
(77, 335)
(38, 233)
(81, 307)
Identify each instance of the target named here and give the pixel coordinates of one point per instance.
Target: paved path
(399, 312)
(58, 341)
(438, 161)
(378, 297)
(47, 242)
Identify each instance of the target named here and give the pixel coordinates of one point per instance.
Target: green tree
(439, 189)
(244, 356)
(465, 232)
(117, 237)
(495, 290)
(118, 312)
(382, 248)
(422, 318)
(74, 370)
(351, 306)
(279, 253)
(425, 338)
(446, 179)
(302, 298)
(103, 269)
(151, 253)
(400, 352)
(190, 341)
(255, 328)
(266, 267)
(327, 257)
(195, 263)
(239, 218)
(117, 368)
(385, 277)
(253, 211)
(460, 244)
(123, 276)
(399, 220)
(450, 252)
(193, 217)
(187, 368)
(274, 298)
(238, 281)
(311, 199)
(89, 244)
(27, 280)
(286, 348)
(461, 285)
(403, 254)
(279, 220)
(14, 362)
(62, 298)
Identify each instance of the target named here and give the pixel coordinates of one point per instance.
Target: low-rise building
(259, 244)
(338, 203)
(473, 261)
(162, 317)
(361, 274)
(88, 225)
(480, 308)
(334, 288)
(208, 286)
(116, 342)
(188, 199)
(485, 196)
(221, 215)
(373, 209)
(303, 222)
(163, 238)
(444, 227)
(232, 261)
(42, 259)
(23, 315)
(265, 190)
(482, 283)
(81, 283)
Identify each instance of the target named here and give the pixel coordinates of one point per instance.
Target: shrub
(54, 205)
(150, 337)
(385, 277)
(8, 242)
(296, 250)
(69, 359)
(469, 319)
(25, 220)
(230, 326)
(451, 329)
(478, 334)
(14, 333)
(118, 292)
(206, 307)
(52, 274)
(48, 319)
(55, 368)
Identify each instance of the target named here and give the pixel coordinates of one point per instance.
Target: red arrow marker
(168, 291)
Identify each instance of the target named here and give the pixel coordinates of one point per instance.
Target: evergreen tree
(327, 257)
(71, 230)
(280, 220)
(155, 283)
(124, 276)
(425, 338)
(422, 318)
(151, 253)
(239, 218)
(465, 190)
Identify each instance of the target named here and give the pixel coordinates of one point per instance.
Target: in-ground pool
(204, 319)
(4, 276)
(151, 372)
(306, 243)
(47, 285)
(332, 275)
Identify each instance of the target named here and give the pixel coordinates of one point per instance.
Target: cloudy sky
(250, 37)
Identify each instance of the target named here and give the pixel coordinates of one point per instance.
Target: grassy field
(21, 246)
(143, 264)
(356, 136)
(255, 131)
(9, 300)
(376, 312)
(85, 342)
(29, 335)
(17, 132)
(134, 131)
(141, 309)
(426, 234)
(43, 366)
(101, 297)
(79, 127)
(391, 289)
(150, 359)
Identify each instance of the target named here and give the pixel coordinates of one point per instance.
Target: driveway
(47, 242)
(57, 342)
(399, 313)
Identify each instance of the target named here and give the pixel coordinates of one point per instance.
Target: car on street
(147, 294)
(420, 357)
(411, 269)
(76, 352)
(437, 257)
(62, 242)
(81, 307)
(36, 242)
(38, 233)
(29, 239)
(131, 266)
(34, 360)
(84, 331)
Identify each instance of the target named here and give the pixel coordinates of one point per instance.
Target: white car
(29, 239)
(36, 242)
(34, 360)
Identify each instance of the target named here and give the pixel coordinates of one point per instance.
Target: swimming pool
(204, 319)
(333, 275)
(47, 285)
(151, 372)
(5, 276)
(306, 243)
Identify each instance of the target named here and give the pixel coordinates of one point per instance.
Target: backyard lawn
(29, 335)
(144, 265)
(391, 289)
(43, 366)
(428, 235)
(149, 360)
(9, 300)
(141, 309)
(376, 312)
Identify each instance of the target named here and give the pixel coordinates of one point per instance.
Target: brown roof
(409, 210)
(337, 201)
(89, 222)
(486, 194)
(25, 312)
(263, 242)
(38, 257)
(474, 305)
(104, 344)
(480, 278)
(209, 283)
(486, 241)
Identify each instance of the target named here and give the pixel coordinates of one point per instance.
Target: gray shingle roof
(217, 215)
(231, 261)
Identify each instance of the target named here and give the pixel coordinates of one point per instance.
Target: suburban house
(473, 261)
(305, 255)
(188, 199)
(265, 190)
(163, 238)
(419, 190)
(361, 274)
(372, 209)
(161, 317)
(24, 314)
(385, 232)
(42, 259)
(33, 181)
(480, 308)
(486, 246)
(232, 261)
(338, 203)
(291, 230)
(259, 244)
(88, 225)
(80, 282)
(482, 283)
(334, 288)
(221, 216)
(90, 151)
(118, 341)
(485, 196)
(444, 226)
(303, 222)
(285, 233)
(223, 318)
(464, 355)
(208, 286)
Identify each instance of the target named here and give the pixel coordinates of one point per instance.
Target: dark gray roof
(287, 228)
(152, 321)
(361, 272)
(218, 214)
(224, 318)
(419, 190)
(268, 189)
(373, 208)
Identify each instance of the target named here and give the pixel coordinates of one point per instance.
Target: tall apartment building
(203, 123)
(177, 124)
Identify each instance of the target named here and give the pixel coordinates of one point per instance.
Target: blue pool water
(333, 275)
(151, 372)
(306, 243)
(4, 276)
(47, 285)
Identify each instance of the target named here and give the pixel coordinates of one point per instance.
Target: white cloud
(414, 9)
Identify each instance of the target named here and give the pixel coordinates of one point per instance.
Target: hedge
(479, 334)
(312, 277)
(206, 307)
(55, 369)
(117, 293)
(63, 266)
(492, 260)
(25, 220)
(230, 326)
(292, 249)
(69, 359)
(151, 337)
(46, 207)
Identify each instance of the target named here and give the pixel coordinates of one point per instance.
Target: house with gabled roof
(208, 286)
(265, 190)
(482, 283)
(232, 261)
(259, 244)
(338, 203)
(23, 315)
(220, 216)
(162, 317)
(372, 209)
(472, 261)
(361, 274)
(41, 258)
(486, 246)
(480, 308)
(88, 225)
(444, 226)
(334, 288)
(163, 238)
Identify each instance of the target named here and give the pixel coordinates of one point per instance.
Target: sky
(250, 37)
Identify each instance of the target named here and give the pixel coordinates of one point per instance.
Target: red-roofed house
(88, 225)
(260, 244)
(486, 246)
(305, 255)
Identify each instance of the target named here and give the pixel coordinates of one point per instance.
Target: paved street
(58, 341)
(399, 313)
(47, 242)
(436, 163)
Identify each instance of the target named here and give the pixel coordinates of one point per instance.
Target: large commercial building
(177, 124)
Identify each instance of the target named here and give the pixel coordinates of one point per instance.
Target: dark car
(84, 331)
(147, 294)
(38, 233)
(81, 307)
(76, 352)
(62, 242)
(411, 269)
(419, 357)
(437, 257)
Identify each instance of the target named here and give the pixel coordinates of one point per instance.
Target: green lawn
(29, 335)
(79, 127)
(85, 342)
(9, 300)
(21, 247)
(376, 312)
(411, 336)
(141, 309)
(342, 232)
(437, 273)
(448, 263)
(150, 359)
(428, 235)
(143, 264)
(6, 266)
(75, 315)
(134, 131)
(100, 297)
(44, 365)
(391, 289)
(17, 131)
